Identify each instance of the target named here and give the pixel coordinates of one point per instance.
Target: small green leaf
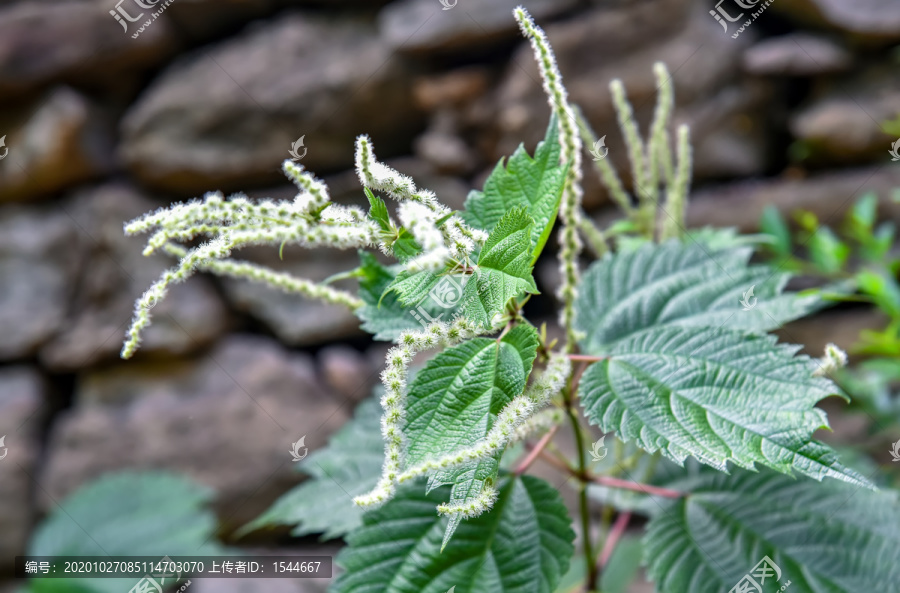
(383, 314)
(774, 225)
(864, 212)
(412, 288)
(827, 252)
(404, 245)
(349, 466)
(824, 538)
(504, 268)
(378, 211)
(883, 289)
(534, 183)
(524, 545)
(719, 395)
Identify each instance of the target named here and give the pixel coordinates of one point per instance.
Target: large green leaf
(504, 268)
(385, 316)
(347, 467)
(683, 285)
(126, 514)
(454, 401)
(535, 183)
(523, 545)
(824, 538)
(716, 394)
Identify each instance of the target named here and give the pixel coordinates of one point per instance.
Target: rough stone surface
(876, 21)
(424, 26)
(207, 19)
(295, 319)
(39, 262)
(623, 41)
(218, 120)
(843, 123)
(454, 88)
(227, 420)
(21, 394)
(348, 372)
(59, 141)
(828, 196)
(797, 54)
(41, 42)
(443, 149)
(190, 317)
(836, 327)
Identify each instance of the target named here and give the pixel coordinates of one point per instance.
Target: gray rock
(797, 54)
(40, 257)
(59, 141)
(425, 26)
(842, 123)
(228, 420)
(297, 320)
(442, 148)
(875, 21)
(828, 196)
(831, 327)
(216, 119)
(115, 274)
(21, 394)
(623, 41)
(207, 19)
(451, 89)
(348, 372)
(41, 42)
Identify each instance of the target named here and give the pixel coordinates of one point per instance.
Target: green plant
(657, 349)
(859, 261)
(124, 514)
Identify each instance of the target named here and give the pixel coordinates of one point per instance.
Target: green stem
(584, 511)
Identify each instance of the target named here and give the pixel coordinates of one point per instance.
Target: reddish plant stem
(615, 534)
(645, 488)
(577, 379)
(536, 451)
(556, 462)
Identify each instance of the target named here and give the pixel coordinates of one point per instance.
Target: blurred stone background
(101, 126)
